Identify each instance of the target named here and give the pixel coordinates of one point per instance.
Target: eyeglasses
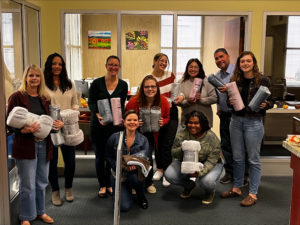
(193, 67)
(113, 65)
(152, 87)
(163, 61)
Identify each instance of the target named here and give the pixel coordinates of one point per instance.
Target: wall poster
(99, 39)
(136, 40)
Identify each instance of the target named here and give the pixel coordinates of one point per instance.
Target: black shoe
(187, 192)
(226, 179)
(142, 202)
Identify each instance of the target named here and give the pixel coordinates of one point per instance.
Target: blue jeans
(68, 153)
(208, 182)
(246, 135)
(126, 190)
(33, 175)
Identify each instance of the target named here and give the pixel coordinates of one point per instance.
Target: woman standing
(166, 137)
(149, 96)
(246, 128)
(33, 160)
(204, 99)
(106, 87)
(63, 94)
(134, 143)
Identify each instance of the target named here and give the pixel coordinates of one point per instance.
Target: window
(189, 38)
(73, 46)
(292, 66)
(8, 42)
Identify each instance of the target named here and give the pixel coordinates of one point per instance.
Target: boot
(69, 194)
(56, 200)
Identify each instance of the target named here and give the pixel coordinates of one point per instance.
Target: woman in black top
(106, 87)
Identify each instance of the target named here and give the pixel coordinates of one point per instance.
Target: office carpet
(167, 208)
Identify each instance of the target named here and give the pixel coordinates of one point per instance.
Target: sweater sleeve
(214, 149)
(176, 148)
(74, 101)
(211, 95)
(165, 110)
(93, 96)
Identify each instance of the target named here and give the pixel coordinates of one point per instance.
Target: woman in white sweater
(63, 94)
(204, 99)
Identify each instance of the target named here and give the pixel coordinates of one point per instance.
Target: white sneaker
(158, 175)
(165, 183)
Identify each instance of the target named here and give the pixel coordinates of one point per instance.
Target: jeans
(152, 147)
(68, 153)
(33, 175)
(126, 190)
(246, 137)
(207, 182)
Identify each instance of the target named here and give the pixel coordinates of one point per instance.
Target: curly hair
(65, 82)
(141, 97)
(202, 119)
(201, 73)
(238, 74)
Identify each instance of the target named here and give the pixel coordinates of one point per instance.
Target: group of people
(241, 132)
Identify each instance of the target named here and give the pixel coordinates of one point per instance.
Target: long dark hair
(141, 97)
(202, 119)
(65, 82)
(201, 73)
(238, 74)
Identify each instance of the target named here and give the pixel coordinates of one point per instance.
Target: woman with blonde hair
(33, 160)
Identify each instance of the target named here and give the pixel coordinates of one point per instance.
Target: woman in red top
(147, 97)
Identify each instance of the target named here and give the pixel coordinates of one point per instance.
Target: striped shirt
(165, 83)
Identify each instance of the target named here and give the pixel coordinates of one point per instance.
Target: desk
(278, 123)
(295, 165)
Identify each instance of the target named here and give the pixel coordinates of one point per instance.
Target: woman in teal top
(106, 87)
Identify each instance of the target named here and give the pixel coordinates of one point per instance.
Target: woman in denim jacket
(134, 143)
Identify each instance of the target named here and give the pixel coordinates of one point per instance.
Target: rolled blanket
(190, 162)
(69, 116)
(57, 138)
(104, 110)
(260, 96)
(150, 118)
(195, 88)
(74, 139)
(46, 126)
(143, 165)
(70, 129)
(17, 117)
(215, 81)
(116, 111)
(233, 92)
(175, 89)
(54, 112)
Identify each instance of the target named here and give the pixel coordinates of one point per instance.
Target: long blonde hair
(42, 87)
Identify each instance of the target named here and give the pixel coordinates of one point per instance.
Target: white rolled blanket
(190, 162)
(17, 117)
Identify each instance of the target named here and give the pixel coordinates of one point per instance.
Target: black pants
(152, 147)
(166, 138)
(68, 153)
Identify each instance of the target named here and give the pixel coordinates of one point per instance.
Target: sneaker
(165, 183)
(248, 201)
(208, 198)
(158, 175)
(69, 194)
(187, 192)
(56, 200)
(226, 179)
(151, 189)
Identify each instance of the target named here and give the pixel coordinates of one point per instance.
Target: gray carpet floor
(167, 208)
